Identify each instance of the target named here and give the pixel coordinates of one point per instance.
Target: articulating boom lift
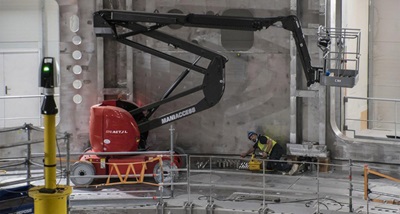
(120, 126)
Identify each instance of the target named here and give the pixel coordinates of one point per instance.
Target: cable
(59, 154)
(205, 197)
(22, 200)
(324, 205)
(21, 203)
(17, 164)
(340, 204)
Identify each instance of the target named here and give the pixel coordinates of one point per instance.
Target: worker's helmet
(250, 133)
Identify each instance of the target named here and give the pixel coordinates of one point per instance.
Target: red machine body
(112, 129)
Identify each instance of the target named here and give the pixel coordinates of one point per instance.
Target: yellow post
(50, 152)
(50, 198)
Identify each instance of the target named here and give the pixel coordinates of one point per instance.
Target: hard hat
(250, 133)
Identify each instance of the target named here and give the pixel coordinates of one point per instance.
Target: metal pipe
(116, 176)
(263, 163)
(26, 143)
(188, 179)
(318, 188)
(360, 120)
(12, 129)
(342, 125)
(161, 200)
(28, 158)
(395, 119)
(171, 151)
(372, 98)
(221, 186)
(21, 181)
(24, 96)
(211, 186)
(350, 186)
(67, 170)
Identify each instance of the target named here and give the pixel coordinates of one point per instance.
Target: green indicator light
(46, 68)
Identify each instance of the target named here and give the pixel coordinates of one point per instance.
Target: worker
(272, 150)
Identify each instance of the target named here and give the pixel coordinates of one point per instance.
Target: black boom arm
(108, 22)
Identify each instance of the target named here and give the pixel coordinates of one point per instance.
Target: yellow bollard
(50, 198)
(50, 161)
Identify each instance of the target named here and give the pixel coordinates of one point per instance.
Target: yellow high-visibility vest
(263, 147)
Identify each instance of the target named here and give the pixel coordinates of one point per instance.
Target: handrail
(27, 161)
(261, 187)
(25, 96)
(371, 98)
(387, 130)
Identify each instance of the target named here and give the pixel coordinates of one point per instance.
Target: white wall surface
(27, 26)
(385, 60)
(355, 15)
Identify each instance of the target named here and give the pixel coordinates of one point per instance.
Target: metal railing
(218, 179)
(260, 189)
(380, 119)
(323, 186)
(26, 161)
(35, 117)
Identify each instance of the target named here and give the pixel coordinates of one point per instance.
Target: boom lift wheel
(82, 168)
(166, 172)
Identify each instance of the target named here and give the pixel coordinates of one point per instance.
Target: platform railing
(317, 196)
(26, 161)
(374, 125)
(37, 117)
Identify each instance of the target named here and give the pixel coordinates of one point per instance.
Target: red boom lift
(120, 126)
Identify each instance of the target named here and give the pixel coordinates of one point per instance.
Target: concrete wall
(257, 81)
(384, 66)
(382, 59)
(355, 15)
(257, 88)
